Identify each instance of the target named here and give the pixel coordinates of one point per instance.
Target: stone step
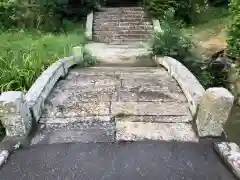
(125, 42)
(132, 13)
(137, 131)
(155, 119)
(130, 27)
(124, 32)
(149, 109)
(69, 131)
(119, 16)
(61, 109)
(121, 9)
(124, 19)
(123, 23)
(119, 39)
(120, 36)
(118, 53)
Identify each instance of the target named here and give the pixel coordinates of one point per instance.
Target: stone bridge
(134, 115)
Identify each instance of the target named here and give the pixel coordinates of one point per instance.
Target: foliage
(171, 42)
(44, 15)
(25, 54)
(234, 29)
(11, 14)
(88, 59)
(184, 9)
(174, 43)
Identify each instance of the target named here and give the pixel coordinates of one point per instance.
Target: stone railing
(210, 109)
(89, 26)
(18, 111)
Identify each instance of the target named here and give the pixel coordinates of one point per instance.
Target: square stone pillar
(15, 114)
(213, 112)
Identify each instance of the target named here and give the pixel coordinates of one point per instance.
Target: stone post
(15, 114)
(213, 112)
(78, 54)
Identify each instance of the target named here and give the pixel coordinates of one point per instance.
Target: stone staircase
(121, 25)
(107, 104)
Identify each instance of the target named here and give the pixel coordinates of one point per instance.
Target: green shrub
(44, 15)
(171, 42)
(234, 29)
(188, 11)
(11, 14)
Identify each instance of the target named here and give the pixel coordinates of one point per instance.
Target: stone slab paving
(151, 160)
(134, 131)
(94, 104)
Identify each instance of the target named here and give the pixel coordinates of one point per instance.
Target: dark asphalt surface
(149, 160)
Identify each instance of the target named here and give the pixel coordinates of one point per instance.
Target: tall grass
(25, 54)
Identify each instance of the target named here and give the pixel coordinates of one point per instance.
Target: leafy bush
(88, 59)
(171, 42)
(11, 14)
(188, 11)
(44, 14)
(234, 29)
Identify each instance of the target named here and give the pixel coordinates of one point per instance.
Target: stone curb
(230, 153)
(189, 84)
(89, 25)
(4, 154)
(40, 90)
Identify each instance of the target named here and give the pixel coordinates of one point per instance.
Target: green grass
(24, 55)
(209, 37)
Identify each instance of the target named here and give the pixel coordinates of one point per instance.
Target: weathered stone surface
(75, 132)
(89, 26)
(73, 109)
(149, 108)
(85, 80)
(230, 152)
(67, 63)
(134, 131)
(149, 93)
(86, 119)
(65, 96)
(191, 87)
(169, 94)
(87, 97)
(14, 113)
(120, 26)
(112, 55)
(39, 91)
(213, 111)
(3, 156)
(156, 119)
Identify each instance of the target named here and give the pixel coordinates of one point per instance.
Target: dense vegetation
(234, 29)
(186, 11)
(46, 15)
(174, 42)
